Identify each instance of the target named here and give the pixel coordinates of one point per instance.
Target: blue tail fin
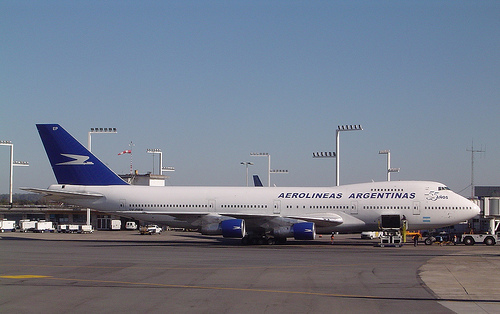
(256, 180)
(71, 162)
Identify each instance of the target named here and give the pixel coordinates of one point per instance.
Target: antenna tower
(472, 151)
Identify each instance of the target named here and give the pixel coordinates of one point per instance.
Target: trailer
(27, 225)
(62, 228)
(44, 226)
(86, 229)
(7, 225)
(116, 224)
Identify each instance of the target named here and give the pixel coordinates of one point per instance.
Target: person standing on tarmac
(332, 237)
(415, 240)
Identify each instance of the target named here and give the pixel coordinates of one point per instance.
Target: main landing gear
(262, 240)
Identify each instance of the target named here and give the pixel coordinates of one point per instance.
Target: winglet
(71, 162)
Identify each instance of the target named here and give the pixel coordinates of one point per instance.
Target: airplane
(255, 215)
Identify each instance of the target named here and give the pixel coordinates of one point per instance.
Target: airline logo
(434, 196)
(78, 160)
(365, 195)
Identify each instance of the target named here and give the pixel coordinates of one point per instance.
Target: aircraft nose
(476, 209)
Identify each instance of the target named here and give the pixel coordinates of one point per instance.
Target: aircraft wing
(256, 220)
(322, 219)
(59, 194)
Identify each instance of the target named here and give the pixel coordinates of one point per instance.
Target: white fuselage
(425, 205)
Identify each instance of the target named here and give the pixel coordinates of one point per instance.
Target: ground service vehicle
(130, 225)
(370, 234)
(86, 229)
(488, 239)
(150, 229)
(7, 225)
(116, 224)
(44, 226)
(27, 225)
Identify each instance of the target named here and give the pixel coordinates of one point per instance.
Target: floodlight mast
(278, 171)
(12, 163)
(324, 155)
(159, 152)
(342, 128)
(89, 146)
(98, 131)
(9, 143)
(389, 169)
(246, 164)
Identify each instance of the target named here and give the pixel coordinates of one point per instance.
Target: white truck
(7, 225)
(44, 226)
(150, 229)
(130, 225)
(488, 239)
(26, 225)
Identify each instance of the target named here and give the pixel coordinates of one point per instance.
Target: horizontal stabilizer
(63, 194)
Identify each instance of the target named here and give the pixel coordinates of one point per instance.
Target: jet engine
(233, 228)
(300, 231)
(304, 231)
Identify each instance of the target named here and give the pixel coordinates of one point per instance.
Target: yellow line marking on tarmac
(116, 282)
(24, 276)
(178, 286)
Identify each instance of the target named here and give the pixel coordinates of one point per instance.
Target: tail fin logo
(78, 160)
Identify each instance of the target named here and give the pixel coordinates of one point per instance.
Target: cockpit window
(443, 188)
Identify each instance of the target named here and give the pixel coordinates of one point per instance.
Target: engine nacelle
(304, 231)
(233, 228)
(211, 229)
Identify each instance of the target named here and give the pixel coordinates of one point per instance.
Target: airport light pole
(324, 155)
(246, 164)
(12, 164)
(99, 131)
(342, 128)
(156, 151)
(89, 146)
(389, 169)
(167, 169)
(278, 171)
(268, 165)
(9, 143)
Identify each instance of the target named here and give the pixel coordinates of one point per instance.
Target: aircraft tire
(245, 240)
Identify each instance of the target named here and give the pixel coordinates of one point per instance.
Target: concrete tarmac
(182, 272)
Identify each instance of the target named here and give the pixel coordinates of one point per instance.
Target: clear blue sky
(209, 82)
